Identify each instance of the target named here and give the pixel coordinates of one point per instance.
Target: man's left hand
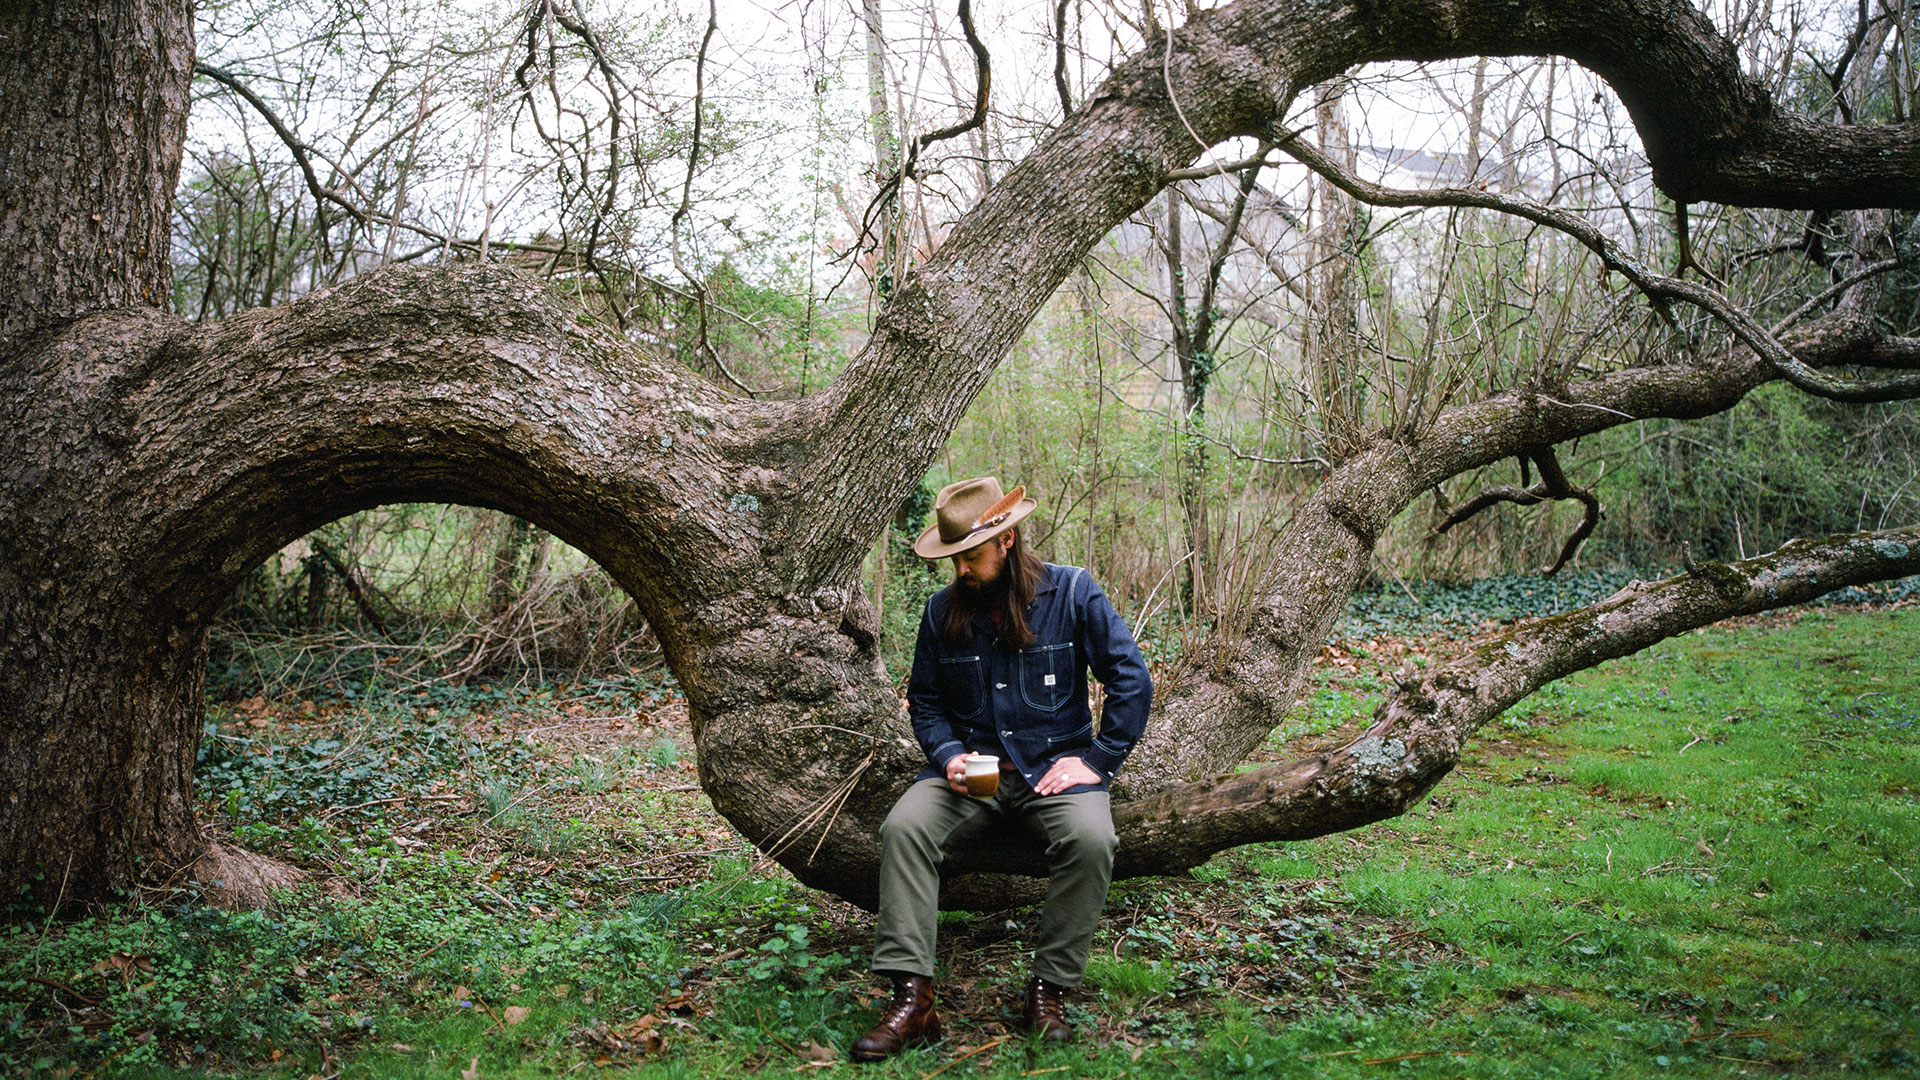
(1067, 772)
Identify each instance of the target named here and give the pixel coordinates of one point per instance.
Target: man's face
(978, 567)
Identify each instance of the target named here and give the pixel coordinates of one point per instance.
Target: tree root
(241, 880)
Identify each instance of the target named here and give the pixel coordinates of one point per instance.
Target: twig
(1412, 1057)
(63, 987)
(982, 65)
(436, 947)
(332, 810)
(530, 794)
(46, 927)
(981, 1049)
(831, 727)
(300, 150)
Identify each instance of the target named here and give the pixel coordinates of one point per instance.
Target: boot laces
(903, 1001)
(1048, 997)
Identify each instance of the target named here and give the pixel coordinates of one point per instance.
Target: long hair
(1004, 602)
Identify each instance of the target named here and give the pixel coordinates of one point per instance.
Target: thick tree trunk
(147, 465)
(93, 109)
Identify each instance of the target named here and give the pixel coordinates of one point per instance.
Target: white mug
(983, 775)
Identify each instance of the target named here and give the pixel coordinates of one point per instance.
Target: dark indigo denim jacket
(1035, 700)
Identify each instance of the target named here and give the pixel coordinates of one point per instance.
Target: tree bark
(147, 465)
(93, 111)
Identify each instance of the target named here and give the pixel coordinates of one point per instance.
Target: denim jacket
(1034, 701)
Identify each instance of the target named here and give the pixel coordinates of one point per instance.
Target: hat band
(988, 523)
(984, 523)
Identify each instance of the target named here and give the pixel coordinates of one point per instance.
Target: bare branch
(1658, 287)
(1839, 287)
(1060, 57)
(984, 74)
(302, 153)
(705, 344)
(1553, 485)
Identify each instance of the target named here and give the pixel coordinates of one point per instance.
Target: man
(1000, 668)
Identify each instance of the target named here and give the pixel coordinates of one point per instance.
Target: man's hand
(957, 772)
(1067, 772)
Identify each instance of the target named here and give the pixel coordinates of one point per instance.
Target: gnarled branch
(1418, 732)
(1553, 485)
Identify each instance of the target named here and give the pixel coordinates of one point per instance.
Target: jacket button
(999, 686)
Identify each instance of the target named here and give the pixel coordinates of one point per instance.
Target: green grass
(1694, 862)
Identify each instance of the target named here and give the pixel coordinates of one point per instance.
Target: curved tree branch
(1553, 485)
(983, 74)
(1418, 732)
(1712, 132)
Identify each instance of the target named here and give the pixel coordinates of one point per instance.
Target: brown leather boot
(1046, 1012)
(908, 1020)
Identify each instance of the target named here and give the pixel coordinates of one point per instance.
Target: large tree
(147, 464)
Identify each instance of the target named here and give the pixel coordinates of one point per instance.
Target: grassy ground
(1694, 862)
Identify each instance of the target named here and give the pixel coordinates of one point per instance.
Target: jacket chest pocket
(1047, 677)
(963, 686)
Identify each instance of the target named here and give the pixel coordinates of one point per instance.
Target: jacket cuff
(946, 752)
(1102, 760)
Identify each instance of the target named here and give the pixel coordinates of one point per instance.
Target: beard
(984, 596)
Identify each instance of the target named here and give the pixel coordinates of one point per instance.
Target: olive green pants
(1077, 829)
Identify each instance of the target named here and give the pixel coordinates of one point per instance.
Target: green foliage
(1425, 607)
(1679, 863)
(1431, 607)
(390, 749)
(1779, 466)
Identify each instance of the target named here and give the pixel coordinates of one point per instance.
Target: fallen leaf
(642, 1024)
(472, 1071)
(516, 1014)
(816, 1054)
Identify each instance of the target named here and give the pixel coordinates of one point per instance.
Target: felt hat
(970, 513)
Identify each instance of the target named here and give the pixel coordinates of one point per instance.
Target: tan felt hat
(970, 513)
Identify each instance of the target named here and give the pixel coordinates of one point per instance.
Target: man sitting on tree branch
(998, 698)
